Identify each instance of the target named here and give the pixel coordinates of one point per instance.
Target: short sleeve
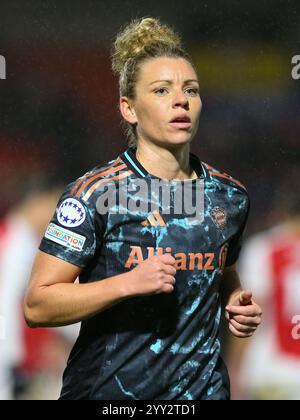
(236, 242)
(73, 232)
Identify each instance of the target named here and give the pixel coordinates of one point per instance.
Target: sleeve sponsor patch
(71, 213)
(65, 237)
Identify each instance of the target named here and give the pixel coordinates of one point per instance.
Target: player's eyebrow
(170, 81)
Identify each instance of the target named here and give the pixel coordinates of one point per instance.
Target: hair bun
(136, 36)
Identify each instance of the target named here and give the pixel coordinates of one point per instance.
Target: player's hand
(154, 275)
(243, 314)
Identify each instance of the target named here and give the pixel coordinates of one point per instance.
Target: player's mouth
(181, 121)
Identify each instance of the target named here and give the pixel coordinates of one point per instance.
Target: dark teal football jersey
(163, 346)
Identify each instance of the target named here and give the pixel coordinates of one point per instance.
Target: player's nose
(180, 100)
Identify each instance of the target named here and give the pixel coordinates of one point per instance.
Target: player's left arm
(242, 312)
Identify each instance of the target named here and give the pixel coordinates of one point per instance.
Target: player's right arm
(54, 299)
(69, 245)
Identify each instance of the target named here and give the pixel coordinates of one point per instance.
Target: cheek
(198, 107)
(152, 115)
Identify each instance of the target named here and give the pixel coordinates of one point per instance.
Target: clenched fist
(153, 276)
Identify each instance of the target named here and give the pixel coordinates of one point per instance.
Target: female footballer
(154, 236)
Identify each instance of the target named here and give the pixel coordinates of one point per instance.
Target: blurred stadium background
(59, 111)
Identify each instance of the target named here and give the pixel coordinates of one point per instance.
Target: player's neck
(165, 163)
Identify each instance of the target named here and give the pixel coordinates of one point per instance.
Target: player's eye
(192, 91)
(161, 91)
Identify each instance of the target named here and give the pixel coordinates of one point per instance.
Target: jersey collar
(129, 157)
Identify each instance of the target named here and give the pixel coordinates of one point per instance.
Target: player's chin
(180, 138)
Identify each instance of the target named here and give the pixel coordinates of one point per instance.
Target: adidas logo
(154, 219)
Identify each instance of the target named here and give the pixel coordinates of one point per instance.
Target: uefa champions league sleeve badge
(71, 213)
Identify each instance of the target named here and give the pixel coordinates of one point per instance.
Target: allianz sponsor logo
(2, 68)
(203, 261)
(65, 237)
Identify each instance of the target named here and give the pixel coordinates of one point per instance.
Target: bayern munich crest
(71, 213)
(219, 217)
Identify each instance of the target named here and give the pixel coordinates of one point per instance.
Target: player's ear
(127, 110)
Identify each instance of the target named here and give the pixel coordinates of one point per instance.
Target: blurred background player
(26, 354)
(268, 366)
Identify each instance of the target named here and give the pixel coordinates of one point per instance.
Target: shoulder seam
(89, 175)
(101, 181)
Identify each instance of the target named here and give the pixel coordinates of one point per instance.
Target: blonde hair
(141, 40)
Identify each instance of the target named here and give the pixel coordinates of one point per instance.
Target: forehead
(166, 68)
